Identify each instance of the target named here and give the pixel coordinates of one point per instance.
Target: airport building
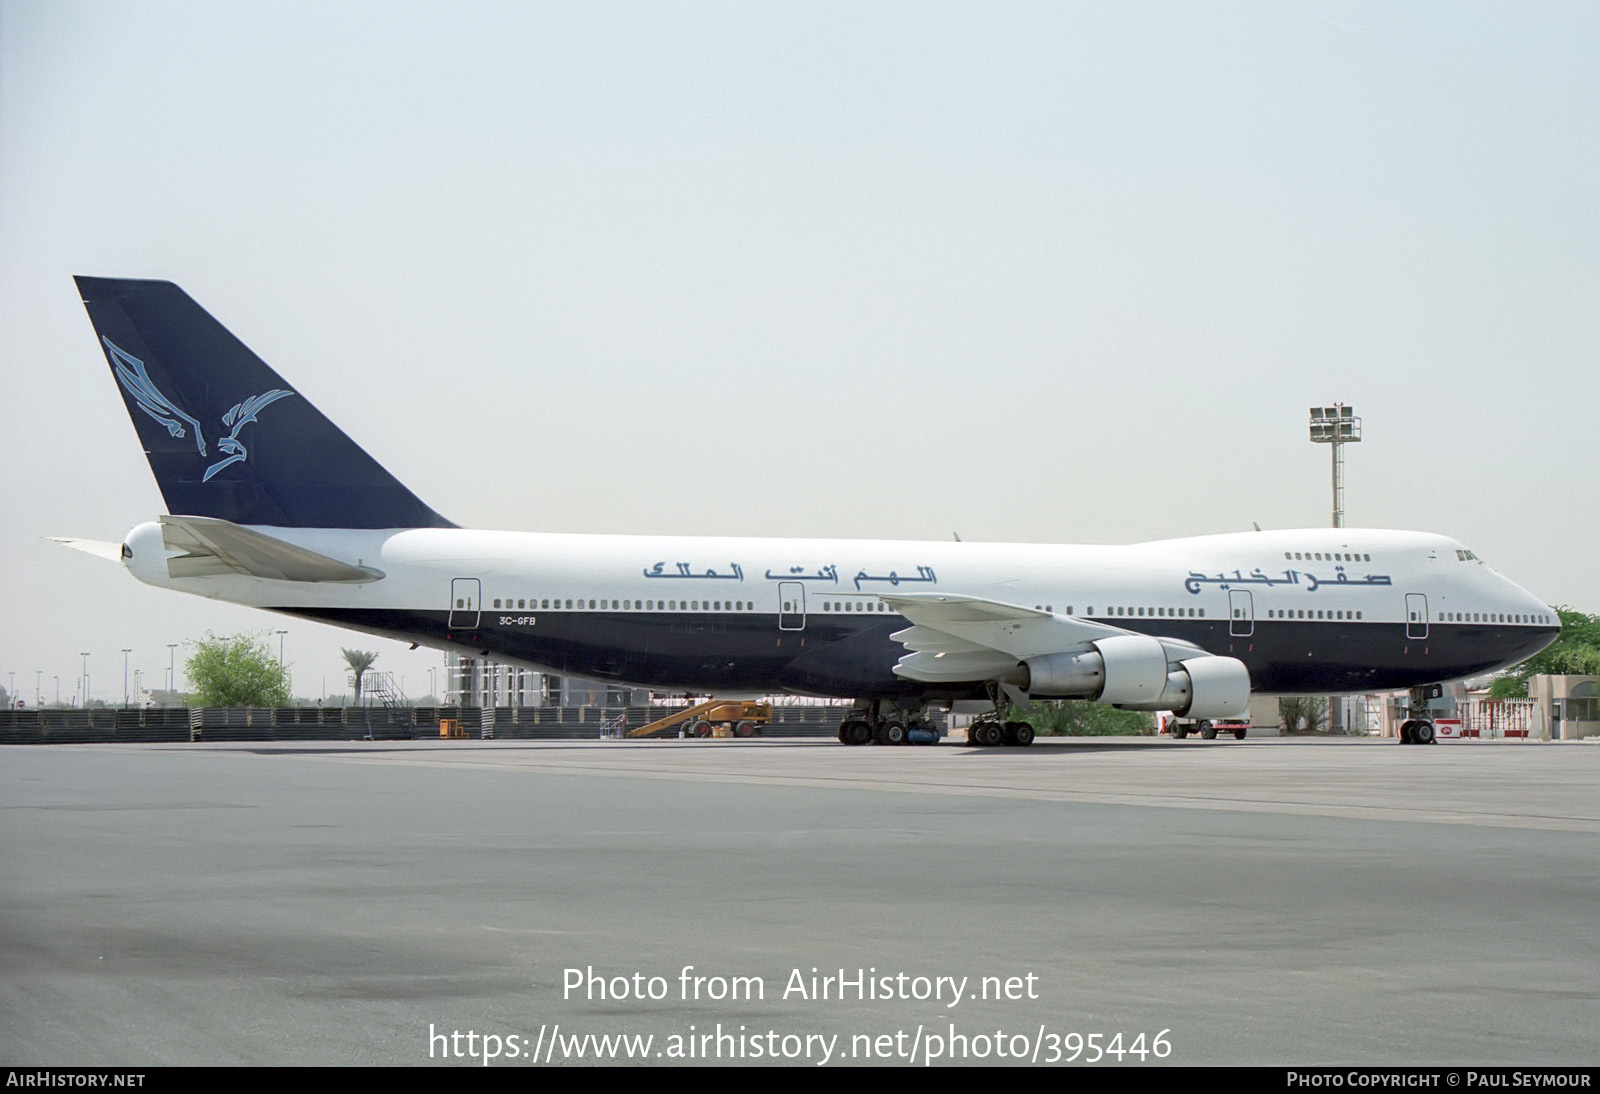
(1569, 705)
(481, 682)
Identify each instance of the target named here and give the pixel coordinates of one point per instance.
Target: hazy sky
(1046, 272)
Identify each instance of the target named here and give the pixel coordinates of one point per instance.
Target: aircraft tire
(994, 734)
(1405, 732)
(1024, 735)
(860, 733)
(1422, 733)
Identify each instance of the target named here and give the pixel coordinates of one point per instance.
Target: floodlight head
(1336, 424)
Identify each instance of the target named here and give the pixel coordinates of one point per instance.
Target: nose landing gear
(1418, 728)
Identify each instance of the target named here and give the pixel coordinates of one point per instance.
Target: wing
(960, 639)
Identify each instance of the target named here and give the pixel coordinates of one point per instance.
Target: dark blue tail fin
(226, 437)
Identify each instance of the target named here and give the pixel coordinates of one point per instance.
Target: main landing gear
(990, 731)
(873, 723)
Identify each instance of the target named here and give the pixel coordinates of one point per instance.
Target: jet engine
(1135, 672)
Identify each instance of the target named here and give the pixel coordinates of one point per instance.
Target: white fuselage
(1417, 605)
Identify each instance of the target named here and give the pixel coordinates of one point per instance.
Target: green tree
(236, 670)
(359, 661)
(1575, 653)
(1302, 713)
(1075, 718)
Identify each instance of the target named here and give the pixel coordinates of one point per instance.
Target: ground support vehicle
(1208, 728)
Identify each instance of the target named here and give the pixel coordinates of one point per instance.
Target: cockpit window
(1466, 556)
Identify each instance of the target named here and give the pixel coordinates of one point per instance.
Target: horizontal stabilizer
(98, 548)
(215, 546)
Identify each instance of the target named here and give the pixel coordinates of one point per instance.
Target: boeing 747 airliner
(271, 505)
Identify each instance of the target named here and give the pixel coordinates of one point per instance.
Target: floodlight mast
(1336, 425)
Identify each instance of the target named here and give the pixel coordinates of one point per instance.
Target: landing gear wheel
(994, 734)
(1208, 732)
(1422, 733)
(860, 733)
(1024, 735)
(1405, 732)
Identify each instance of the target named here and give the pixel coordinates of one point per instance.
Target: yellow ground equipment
(713, 718)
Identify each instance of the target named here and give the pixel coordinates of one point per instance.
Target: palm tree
(359, 661)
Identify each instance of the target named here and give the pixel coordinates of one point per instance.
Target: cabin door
(466, 601)
(1416, 615)
(1241, 613)
(791, 606)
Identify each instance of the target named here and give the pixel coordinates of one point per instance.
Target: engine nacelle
(1131, 671)
(1122, 669)
(1219, 687)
